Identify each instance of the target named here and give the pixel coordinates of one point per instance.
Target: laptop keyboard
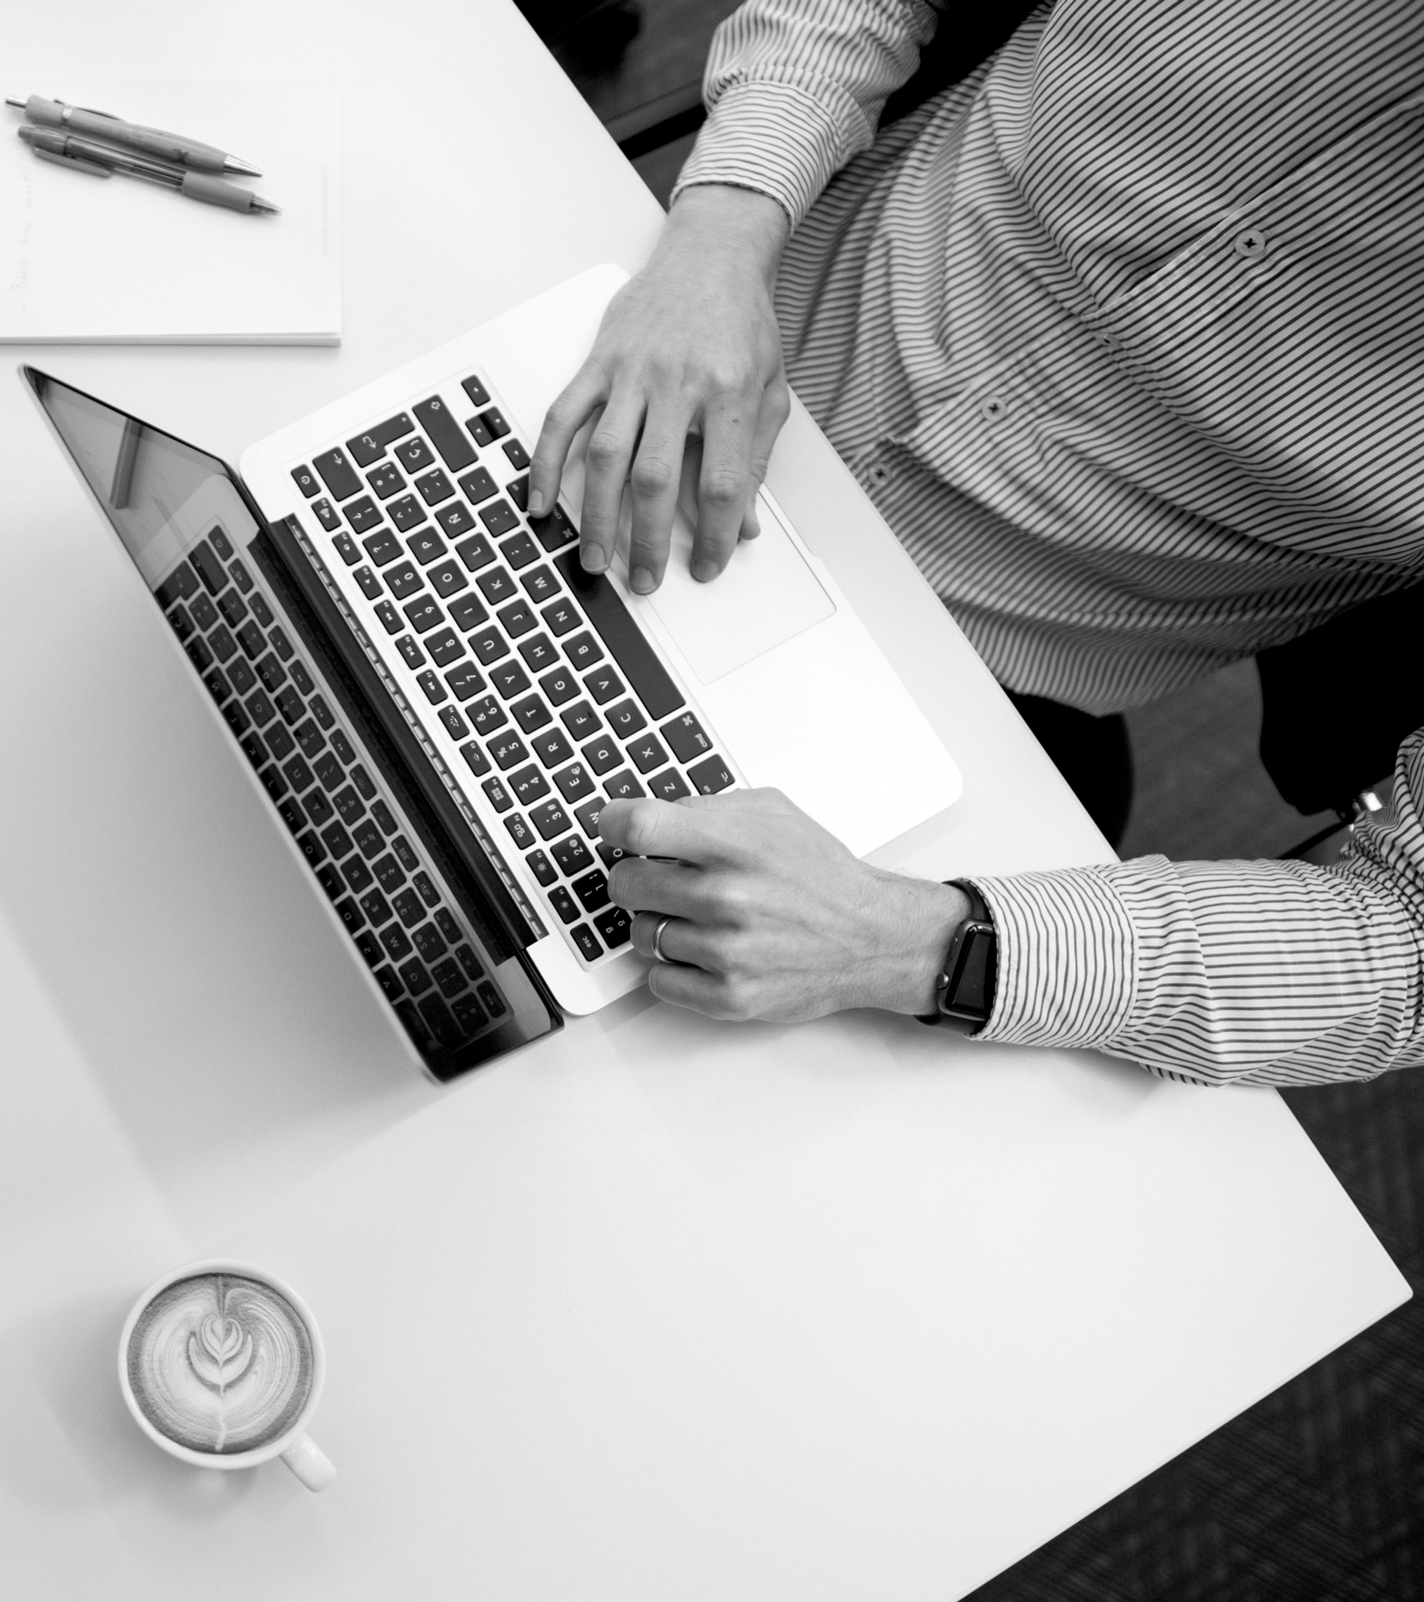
(387, 893)
(530, 675)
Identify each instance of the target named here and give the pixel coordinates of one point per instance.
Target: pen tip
(244, 169)
(265, 206)
(19, 105)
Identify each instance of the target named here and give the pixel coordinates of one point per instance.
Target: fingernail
(536, 504)
(592, 558)
(704, 571)
(641, 580)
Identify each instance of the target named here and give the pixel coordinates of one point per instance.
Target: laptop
(437, 700)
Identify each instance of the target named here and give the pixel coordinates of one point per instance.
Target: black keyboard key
(389, 873)
(542, 869)
(710, 775)
(581, 721)
(242, 676)
(396, 941)
(626, 642)
(478, 432)
(362, 780)
(414, 976)
(369, 585)
(487, 715)
(446, 579)
(517, 619)
(330, 881)
(553, 531)
(559, 686)
(389, 983)
(337, 474)
(434, 487)
(222, 643)
(475, 758)
(320, 710)
(494, 1002)
(424, 614)
(209, 569)
(356, 874)
(572, 856)
(220, 690)
(299, 774)
(406, 513)
(539, 585)
(370, 948)
(518, 456)
(564, 904)
(583, 651)
(588, 815)
(603, 684)
(404, 580)
(668, 786)
(445, 435)
(435, 691)
(178, 586)
(346, 549)
(478, 486)
(550, 820)
(261, 611)
(391, 620)
(647, 752)
(311, 848)
(372, 444)
(329, 771)
(281, 644)
(551, 747)
(305, 481)
(465, 681)
(446, 974)
(336, 840)
(220, 542)
(626, 719)
(499, 517)
(497, 586)
(301, 678)
(623, 786)
(587, 942)
(280, 743)
(408, 908)
(562, 616)
(233, 608)
(592, 890)
(240, 576)
(455, 725)
(469, 1014)
(686, 736)
(349, 805)
(445, 647)
(531, 714)
(411, 653)
(520, 551)
(383, 548)
(527, 785)
(260, 709)
(454, 519)
(386, 480)
(271, 672)
(425, 888)
(489, 646)
(574, 782)
(615, 926)
(349, 912)
(602, 755)
(414, 455)
(468, 612)
(518, 491)
(479, 395)
(475, 552)
(376, 908)
(205, 614)
(508, 750)
(251, 743)
(343, 748)
(426, 545)
(320, 810)
(509, 678)
(327, 515)
(519, 831)
(494, 422)
(363, 514)
(497, 794)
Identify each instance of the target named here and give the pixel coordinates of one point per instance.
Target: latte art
(220, 1363)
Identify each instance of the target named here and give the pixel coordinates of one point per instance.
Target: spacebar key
(625, 640)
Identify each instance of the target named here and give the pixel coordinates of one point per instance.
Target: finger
(649, 828)
(686, 986)
(775, 409)
(585, 393)
(722, 484)
(646, 884)
(676, 943)
(655, 478)
(610, 452)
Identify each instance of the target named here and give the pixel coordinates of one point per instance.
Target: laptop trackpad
(766, 594)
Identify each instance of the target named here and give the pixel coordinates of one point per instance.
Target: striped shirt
(1124, 335)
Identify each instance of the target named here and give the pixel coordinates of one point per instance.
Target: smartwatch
(964, 989)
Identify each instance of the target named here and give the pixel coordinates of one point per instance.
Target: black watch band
(964, 990)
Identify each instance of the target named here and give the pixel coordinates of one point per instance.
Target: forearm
(794, 91)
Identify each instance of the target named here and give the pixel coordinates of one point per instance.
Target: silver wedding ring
(662, 924)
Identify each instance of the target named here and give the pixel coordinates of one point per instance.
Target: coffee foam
(220, 1363)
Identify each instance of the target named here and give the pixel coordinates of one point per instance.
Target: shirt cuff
(1067, 958)
(771, 137)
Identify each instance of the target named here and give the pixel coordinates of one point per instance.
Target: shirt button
(993, 410)
(1250, 244)
(879, 474)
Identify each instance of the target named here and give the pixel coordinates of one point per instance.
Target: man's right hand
(689, 347)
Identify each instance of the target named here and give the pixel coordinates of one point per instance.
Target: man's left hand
(766, 915)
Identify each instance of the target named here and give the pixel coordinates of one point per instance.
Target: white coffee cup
(294, 1446)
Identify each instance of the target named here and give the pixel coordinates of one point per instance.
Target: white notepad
(87, 260)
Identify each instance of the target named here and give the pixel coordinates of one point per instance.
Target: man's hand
(689, 346)
(769, 915)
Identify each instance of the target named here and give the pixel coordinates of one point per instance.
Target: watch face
(970, 991)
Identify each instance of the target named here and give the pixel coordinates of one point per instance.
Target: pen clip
(73, 161)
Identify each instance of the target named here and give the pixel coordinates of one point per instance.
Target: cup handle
(309, 1463)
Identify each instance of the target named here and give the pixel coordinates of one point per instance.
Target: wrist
(925, 917)
(725, 219)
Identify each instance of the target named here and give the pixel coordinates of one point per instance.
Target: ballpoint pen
(113, 130)
(85, 156)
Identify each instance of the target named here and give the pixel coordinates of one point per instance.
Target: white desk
(659, 1308)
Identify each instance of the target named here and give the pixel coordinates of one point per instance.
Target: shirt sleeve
(1252, 973)
(795, 88)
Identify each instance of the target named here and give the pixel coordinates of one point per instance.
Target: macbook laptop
(438, 702)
